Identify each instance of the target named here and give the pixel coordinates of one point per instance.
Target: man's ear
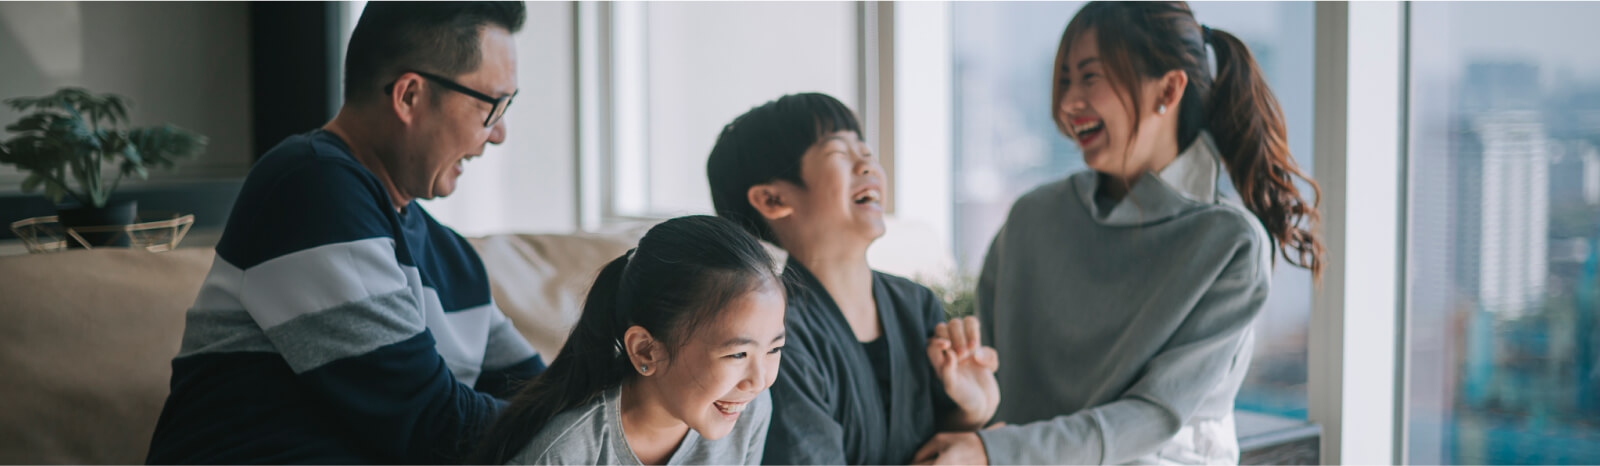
(405, 94)
(643, 350)
(769, 200)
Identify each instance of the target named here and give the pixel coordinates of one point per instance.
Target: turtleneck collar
(1189, 181)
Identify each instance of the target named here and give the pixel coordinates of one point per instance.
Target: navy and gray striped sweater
(333, 329)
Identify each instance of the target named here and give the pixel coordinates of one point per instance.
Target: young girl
(669, 363)
(1122, 297)
(872, 370)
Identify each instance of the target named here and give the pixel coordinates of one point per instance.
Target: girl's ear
(769, 200)
(643, 350)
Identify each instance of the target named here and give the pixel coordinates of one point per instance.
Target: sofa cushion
(540, 281)
(86, 349)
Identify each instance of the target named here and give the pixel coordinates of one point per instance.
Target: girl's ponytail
(588, 364)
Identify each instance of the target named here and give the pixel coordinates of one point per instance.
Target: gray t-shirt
(592, 434)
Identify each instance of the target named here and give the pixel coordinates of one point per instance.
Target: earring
(1162, 109)
(643, 368)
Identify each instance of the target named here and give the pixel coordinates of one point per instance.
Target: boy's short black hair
(436, 37)
(766, 144)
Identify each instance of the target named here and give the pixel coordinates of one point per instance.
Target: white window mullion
(921, 119)
(593, 44)
(1354, 349)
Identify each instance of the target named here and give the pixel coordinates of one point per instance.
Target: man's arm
(322, 279)
(508, 361)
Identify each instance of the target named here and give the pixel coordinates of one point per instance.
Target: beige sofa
(87, 337)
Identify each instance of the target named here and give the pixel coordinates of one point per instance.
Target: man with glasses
(340, 323)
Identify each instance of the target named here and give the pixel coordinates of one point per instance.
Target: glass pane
(1505, 219)
(1006, 144)
(676, 85)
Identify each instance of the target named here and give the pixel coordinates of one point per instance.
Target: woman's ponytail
(1248, 126)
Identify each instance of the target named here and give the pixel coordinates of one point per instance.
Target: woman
(669, 363)
(1121, 298)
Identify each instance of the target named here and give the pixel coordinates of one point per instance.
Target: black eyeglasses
(500, 104)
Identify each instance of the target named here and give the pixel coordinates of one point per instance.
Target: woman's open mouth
(1087, 130)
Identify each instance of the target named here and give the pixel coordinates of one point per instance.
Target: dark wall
(293, 57)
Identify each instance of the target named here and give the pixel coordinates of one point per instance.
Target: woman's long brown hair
(1144, 40)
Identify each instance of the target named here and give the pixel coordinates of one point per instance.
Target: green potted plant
(957, 290)
(70, 142)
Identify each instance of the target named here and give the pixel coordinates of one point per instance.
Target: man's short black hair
(436, 37)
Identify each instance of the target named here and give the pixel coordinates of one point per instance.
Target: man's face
(448, 126)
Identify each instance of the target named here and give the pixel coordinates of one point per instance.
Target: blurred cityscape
(1506, 241)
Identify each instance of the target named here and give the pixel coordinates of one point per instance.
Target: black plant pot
(114, 214)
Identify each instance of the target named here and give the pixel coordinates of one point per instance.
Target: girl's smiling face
(725, 365)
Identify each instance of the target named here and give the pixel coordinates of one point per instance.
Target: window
(1504, 234)
(681, 71)
(1006, 144)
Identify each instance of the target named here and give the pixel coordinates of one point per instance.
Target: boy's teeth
(731, 409)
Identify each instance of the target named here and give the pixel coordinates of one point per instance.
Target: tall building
(1505, 210)
(1502, 174)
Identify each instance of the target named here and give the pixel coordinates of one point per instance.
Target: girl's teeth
(730, 409)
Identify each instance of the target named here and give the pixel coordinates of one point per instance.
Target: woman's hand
(966, 368)
(952, 448)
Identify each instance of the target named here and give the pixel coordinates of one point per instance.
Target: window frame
(599, 103)
(1359, 311)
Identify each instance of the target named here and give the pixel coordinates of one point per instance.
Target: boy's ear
(643, 350)
(769, 201)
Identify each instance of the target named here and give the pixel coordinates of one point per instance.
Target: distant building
(1502, 155)
(1504, 202)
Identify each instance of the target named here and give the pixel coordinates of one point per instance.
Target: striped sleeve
(508, 360)
(322, 278)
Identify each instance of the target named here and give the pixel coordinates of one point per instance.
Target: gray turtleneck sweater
(1123, 326)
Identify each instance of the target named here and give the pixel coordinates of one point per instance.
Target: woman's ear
(643, 350)
(1172, 86)
(770, 201)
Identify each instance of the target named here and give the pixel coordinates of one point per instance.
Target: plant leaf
(54, 192)
(163, 145)
(36, 122)
(117, 108)
(31, 183)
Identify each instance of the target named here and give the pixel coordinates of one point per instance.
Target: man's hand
(966, 368)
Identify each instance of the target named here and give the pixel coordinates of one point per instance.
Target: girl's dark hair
(765, 145)
(684, 272)
(1148, 39)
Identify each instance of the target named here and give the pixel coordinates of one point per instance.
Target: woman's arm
(1195, 361)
